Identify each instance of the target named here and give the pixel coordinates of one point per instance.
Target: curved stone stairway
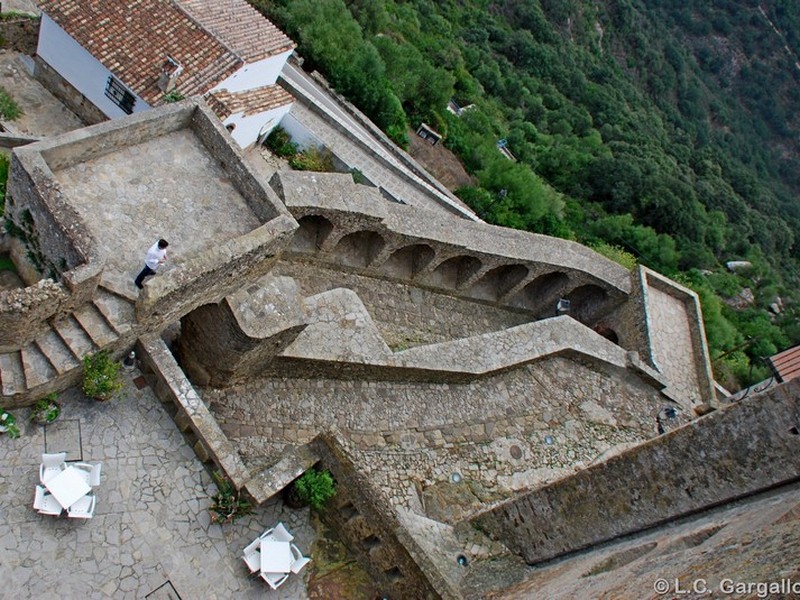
(59, 351)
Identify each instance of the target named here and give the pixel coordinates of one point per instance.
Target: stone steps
(95, 325)
(36, 366)
(74, 336)
(12, 374)
(61, 349)
(57, 352)
(116, 305)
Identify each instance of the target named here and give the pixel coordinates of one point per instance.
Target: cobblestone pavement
(43, 114)
(501, 433)
(151, 524)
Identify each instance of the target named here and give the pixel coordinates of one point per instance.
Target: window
(119, 95)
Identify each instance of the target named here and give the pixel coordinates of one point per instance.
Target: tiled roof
(250, 102)
(240, 26)
(786, 364)
(133, 38)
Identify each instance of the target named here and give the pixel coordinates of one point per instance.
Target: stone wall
(253, 188)
(69, 96)
(629, 321)
(24, 313)
(52, 228)
(369, 529)
(20, 35)
(58, 244)
(735, 451)
(82, 145)
(406, 315)
(213, 274)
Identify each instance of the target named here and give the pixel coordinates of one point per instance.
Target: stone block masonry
(738, 450)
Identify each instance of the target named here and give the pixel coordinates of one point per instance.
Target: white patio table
(68, 487)
(276, 557)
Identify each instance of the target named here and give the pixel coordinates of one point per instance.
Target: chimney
(170, 71)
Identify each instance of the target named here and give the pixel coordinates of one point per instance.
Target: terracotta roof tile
(133, 39)
(240, 26)
(786, 365)
(250, 102)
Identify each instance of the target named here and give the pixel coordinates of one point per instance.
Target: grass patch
(9, 109)
(6, 264)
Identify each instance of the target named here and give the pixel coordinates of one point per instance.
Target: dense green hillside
(661, 129)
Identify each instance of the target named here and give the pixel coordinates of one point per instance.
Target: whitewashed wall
(75, 64)
(299, 134)
(253, 75)
(248, 129)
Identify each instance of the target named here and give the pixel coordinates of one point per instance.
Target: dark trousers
(140, 277)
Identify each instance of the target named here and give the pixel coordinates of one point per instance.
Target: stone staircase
(59, 351)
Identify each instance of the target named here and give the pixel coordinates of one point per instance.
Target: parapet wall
(733, 452)
(58, 243)
(694, 314)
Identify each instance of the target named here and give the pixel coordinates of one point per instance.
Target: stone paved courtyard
(129, 199)
(151, 524)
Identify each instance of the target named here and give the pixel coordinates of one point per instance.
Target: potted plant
(101, 376)
(8, 424)
(227, 505)
(46, 410)
(313, 488)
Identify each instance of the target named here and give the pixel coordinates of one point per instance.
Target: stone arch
(454, 271)
(358, 249)
(312, 232)
(585, 301)
(498, 281)
(408, 261)
(542, 291)
(607, 333)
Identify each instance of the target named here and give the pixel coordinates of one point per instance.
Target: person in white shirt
(156, 256)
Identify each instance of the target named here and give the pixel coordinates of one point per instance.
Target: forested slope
(661, 131)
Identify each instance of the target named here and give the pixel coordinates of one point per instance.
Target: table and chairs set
(66, 487)
(274, 557)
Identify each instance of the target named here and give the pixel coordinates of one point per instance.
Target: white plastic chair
(299, 561)
(90, 473)
(83, 508)
(52, 465)
(45, 503)
(275, 580)
(252, 555)
(281, 534)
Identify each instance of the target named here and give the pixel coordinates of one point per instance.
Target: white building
(124, 57)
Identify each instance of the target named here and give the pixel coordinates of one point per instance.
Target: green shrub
(46, 410)
(8, 424)
(101, 376)
(279, 142)
(9, 109)
(313, 159)
(315, 488)
(173, 96)
(615, 253)
(226, 504)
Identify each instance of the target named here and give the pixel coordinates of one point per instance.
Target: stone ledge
(270, 481)
(192, 413)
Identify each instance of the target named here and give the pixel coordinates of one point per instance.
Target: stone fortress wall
(65, 249)
(746, 447)
(340, 300)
